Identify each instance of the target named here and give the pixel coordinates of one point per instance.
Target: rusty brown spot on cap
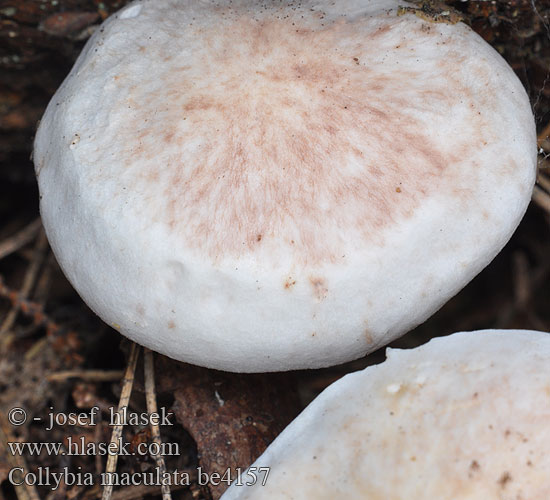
(320, 290)
(505, 479)
(289, 283)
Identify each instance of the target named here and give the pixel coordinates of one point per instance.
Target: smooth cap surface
(268, 186)
(464, 417)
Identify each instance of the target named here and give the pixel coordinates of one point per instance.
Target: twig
(543, 181)
(541, 198)
(28, 281)
(25, 491)
(90, 375)
(544, 136)
(36, 349)
(19, 239)
(27, 307)
(31, 309)
(43, 284)
(127, 384)
(98, 433)
(537, 278)
(133, 492)
(151, 399)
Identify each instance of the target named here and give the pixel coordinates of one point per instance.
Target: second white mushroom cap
(464, 417)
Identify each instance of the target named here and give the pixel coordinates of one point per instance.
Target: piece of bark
(232, 417)
(69, 24)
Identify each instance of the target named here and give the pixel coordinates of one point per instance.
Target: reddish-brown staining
(202, 103)
(504, 479)
(382, 30)
(474, 469)
(368, 336)
(168, 136)
(289, 283)
(320, 290)
(153, 175)
(295, 142)
(171, 325)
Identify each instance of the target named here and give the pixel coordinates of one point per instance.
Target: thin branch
(543, 181)
(31, 309)
(541, 198)
(28, 281)
(127, 385)
(138, 492)
(98, 438)
(19, 239)
(151, 398)
(544, 136)
(43, 284)
(89, 375)
(25, 491)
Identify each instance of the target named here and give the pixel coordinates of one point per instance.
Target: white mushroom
(464, 417)
(258, 186)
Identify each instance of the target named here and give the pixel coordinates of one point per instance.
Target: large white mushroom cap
(464, 417)
(257, 186)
